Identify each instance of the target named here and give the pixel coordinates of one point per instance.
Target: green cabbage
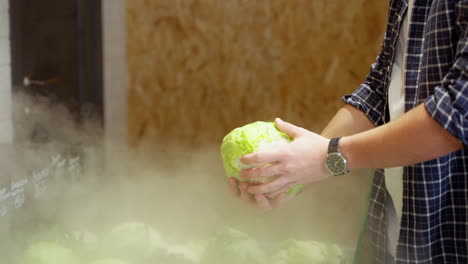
(49, 253)
(233, 247)
(335, 254)
(85, 243)
(307, 252)
(254, 137)
(108, 261)
(133, 241)
(198, 247)
(87, 240)
(182, 254)
(49, 233)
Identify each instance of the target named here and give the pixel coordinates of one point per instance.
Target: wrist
(345, 149)
(326, 172)
(335, 162)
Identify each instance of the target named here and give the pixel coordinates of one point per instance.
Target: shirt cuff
(441, 107)
(368, 101)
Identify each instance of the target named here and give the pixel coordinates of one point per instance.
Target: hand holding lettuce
(253, 138)
(282, 157)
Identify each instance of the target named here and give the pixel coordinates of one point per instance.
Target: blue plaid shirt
(435, 193)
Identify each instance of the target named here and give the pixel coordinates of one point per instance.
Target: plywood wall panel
(199, 68)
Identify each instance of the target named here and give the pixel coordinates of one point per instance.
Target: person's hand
(300, 162)
(239, 189)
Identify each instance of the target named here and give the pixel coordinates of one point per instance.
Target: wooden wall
(199, 68)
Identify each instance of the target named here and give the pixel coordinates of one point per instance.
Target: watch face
(335, 163)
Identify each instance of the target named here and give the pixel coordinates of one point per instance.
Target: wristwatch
(335, 162)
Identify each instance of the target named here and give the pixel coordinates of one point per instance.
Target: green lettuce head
(108, 261)
(231, 246)
(248, 139)
(133, 241)
(49, 253)
(183, 254)
(254, 137)
(306, 252)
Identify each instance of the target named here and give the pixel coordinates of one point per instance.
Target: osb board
(199, 68)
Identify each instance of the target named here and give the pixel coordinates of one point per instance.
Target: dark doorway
(56, 54)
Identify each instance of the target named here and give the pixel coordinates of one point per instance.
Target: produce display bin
(40, 186)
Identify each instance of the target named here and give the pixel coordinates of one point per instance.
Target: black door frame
(89, 50)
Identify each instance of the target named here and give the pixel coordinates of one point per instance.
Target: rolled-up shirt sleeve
(370, 96)
(368, 101)
(449, 103)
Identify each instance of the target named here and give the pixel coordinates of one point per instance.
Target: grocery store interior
(112, 114)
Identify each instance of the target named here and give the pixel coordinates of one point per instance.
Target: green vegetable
(254, 137)
(295, 189)
(48, 233)
(198, 248)
(186, 253)
(133, 241)
(108, 261)
(233, 247)
(248, 139)
(84, 242)
(182, 254)
(49, 253)
(307, 252)
(86, 237)
(335, 254)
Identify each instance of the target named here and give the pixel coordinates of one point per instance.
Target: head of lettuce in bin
(254, 137)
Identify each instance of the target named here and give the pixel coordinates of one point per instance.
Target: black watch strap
(333, 145)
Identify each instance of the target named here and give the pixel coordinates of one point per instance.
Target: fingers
(271, 186)
(265, 171)
(290, 129)
(240, 190)
(284, 189)
(244, 195)
(234, 187)
(260, 200)
(262, 157)
(263, 202)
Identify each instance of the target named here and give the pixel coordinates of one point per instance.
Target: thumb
(290, 129)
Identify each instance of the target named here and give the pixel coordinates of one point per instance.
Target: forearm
(347, 121)
(413, 138)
